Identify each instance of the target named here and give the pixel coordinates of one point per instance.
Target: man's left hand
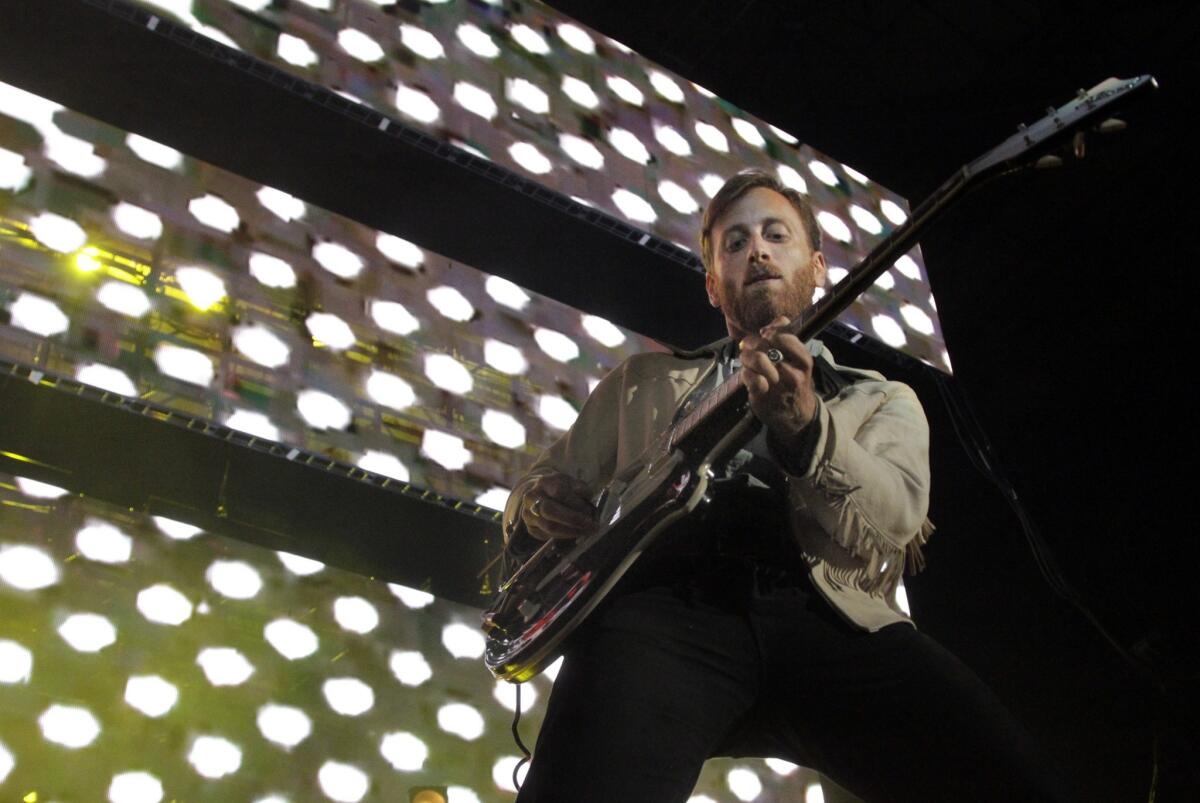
(781, 393)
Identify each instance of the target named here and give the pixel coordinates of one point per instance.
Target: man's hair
(737, 186)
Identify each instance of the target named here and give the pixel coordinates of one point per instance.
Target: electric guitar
(557, 587)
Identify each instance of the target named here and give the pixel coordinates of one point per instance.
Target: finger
(759, 363)
(564, 488)
(555, 512)
(545, 532)
(794, 351)
(756, 385)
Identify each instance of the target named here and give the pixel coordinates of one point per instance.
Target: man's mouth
(759, 279)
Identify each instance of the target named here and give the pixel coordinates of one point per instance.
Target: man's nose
(758, 250)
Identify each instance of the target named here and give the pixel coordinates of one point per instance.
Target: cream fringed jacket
(858, 511)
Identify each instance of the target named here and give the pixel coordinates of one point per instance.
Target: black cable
(517, 736)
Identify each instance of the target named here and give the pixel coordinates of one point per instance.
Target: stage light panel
(399, 250)
(421, 42)
(603, 331)
(475, 100)
(505, 693)
(404, 751)
(40, 490)
(38, 315)
(529, 39)
(462, 794)
(416, 104)
(271, 271)
(448, 374)
(349, 697)
(451, 303)
(409, 667)
(916, 319)
(504, 357)
(836, 274)
(392, 316)
(153, 152)
(214, 757)
(262, 346)
(343, 783)
(215, 212)
(885, 281)
(477, 41)
(580, 92)
(88, 632)
(187, 365)
(677, 197)
(447, 450)
(634, 206)
(527, 94)
(865, 220)
(908, 267)
(164, 605)
(123, 298)
(712, 136)
(338, 260)
(581, 151)
(791, 178)
(355, 614)
(7, 762)
(383, 463)
(390, 391)
(224, 666)
(295, 50)
(462, 640)
(527, 155)
(299, 565)
(781, 767)
(234, 579)
(813, 793)
(286, 207)
(665, 86)
(135, 787)
(834, 226)
(461, 720)
(672, 140)
(103, 542)
(887, 330)
(502, 773)
(748, 132)
(625, 90)
(628, 145)
(26, 567)
(787, 138)
(495, 498)
(556, 344)
(330, 330)
(14, 173)
(892, 211)
(359, 45)
(744, 783)
(411, 597)
(58, 233)
(151, 694)
(823, 172)
(501, 428)
(175, 530)
(202, 287)
(252, 5)
(321, 410)
(291, 639)
(576, 37)
(284, 725)
(73, 155)
(711, 184)
(557, 412)
(71, 726)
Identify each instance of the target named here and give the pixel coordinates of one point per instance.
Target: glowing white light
(106, 378)
(917, 319)
(214, 212)
(580, 92)
(416, 104)
(69, 726)
(359, 45)
(781, 767)
(506, 694)
(137, 222)
(16, 662)
(331, 330)
(261, 345)
(902, 598)
(40, 490)
(505, 292)
(253, 423)
(338, 260)
(410, 668)
(177, 530)
(123, 298)
(451, 303)
(400, 250)
(592, 383)
(666, 87)
(477, 41)
(527, 94)
(783, 135)
(88, 632)
(224, 666)
(298, 564)
(529, 157)
(823, 172)
(886, 280)
(252, 5)
(603, 331)
(348, 696)
(711, 136)
(503, 429)
(355, 614)
(748, 132)
(295, 50)
(72, 154)
(446, 450)
(946, 360)
(283, 724)
(892, 211)
(404, 751)
(495, 498)
(857, 176)
(836, 274)
(460, 719)
(908, 266)
(711, 183)
(27, 568)
(58, 233)
(552, 670)
(463, 641)
(322, 411)
(286, 207)
(502, 772)
(529, 39)
(234, 579)
(625, 90)
(474, 100)
(865, 220)
(214, 757)
(156, 153)
(411, 597)
(323, 5)
(203, 288)
(581, 150)
(187, 365)
(678, 198)
(271, 271)
(505, 358)
(634, 206)
(151, 695)
(393, 317)
(577, 38)
(814, 793)
(421, 42)
(448, 374)
(556, 344)
(38, 315)
(135, 787)
(834, 226)
(744, 784)
(888, 330)
(390, 390)
(791, 178)
(557, 412)
(291, 639)
(14, 175)
(672, 140)
(163, 604)
(628, 145)
(7, 762)
(344, 783)
(103, 542)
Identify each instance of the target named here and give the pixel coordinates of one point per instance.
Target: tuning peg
(1111, 125)
(1049, 160)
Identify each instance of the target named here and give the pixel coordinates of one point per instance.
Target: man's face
(762, 265)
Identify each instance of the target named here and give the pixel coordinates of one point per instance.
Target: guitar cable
(517, 736)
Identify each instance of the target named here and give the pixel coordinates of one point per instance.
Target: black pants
(664, 677)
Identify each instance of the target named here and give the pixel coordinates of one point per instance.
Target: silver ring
(536, 507)
(774, 355)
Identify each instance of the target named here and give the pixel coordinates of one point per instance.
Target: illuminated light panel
(154, 152)
(628, 145)
(88, 632)
(252, 5)
(284, 206)
(529, 157)
(783, 135)
(552, 671)
(865, 220)
(576, 38)
(581, 151)
(344, 783)
(58, 233)
(284, 725)
(69, 726)
(475, 100)
(295, 50)
(886, 280)
(555, 344)
(823, 172)
(214, 757)
(463, 641)
(471, 149)
(298, 564)
(450, 303)
(322, 5)
(744, 783)
(224, 666)
(888, 330)
(834, 226)
(271, 271)
(580, 92)
(72, 154)
(103, 542)
(403, 751)
(253, 423)
(748, 132)
(123, 298)
(215, 213)
(202, 287)
(781, 767)
(40, 490)
(477, 41)
(186, 365)
(410, 667)
(501, 428)
(836, 274)
(908, 268)
(625, 90)
(678, 198)
(892, 211)
(359, 45)
(557, 412)
(322, 411)
(672, 140)
(527, 94)
(261, 345)
(151, 694)
(338, 260)
(818, 294)
(592, 384)
(813, 793)
(291, 639)
(135, 787)
(38, 315)
(444, 449)
(416, 104)
(917, 319)
(399, 250)
(163, 604)
(137, 222)
(391, 316)
(857, 176)
(421, 42)
(349, 697)
(529, 39)
(355, 614)
(711, 183)
(27, 568)
(634, 206)
(665, 86)
(495, 498)
(461, 720)
(234, 579)
(16, 662)
(902, 599)
(502, 772)
(603, 331)
(106, 378)
(448, 374)
(504, 358)
(14, 174)
(790, 178)
(390, 391)
(712, 136)
(330, 330)
(86, 261)
(506, 694)
(411, 597)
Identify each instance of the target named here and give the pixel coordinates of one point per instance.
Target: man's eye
(733, 245)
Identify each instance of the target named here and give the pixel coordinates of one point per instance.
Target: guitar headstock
(1060, 133)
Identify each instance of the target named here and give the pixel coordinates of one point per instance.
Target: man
(766, 626)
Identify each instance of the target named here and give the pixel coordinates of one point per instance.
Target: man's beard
(755, 309)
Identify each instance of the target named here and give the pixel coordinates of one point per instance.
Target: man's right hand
(557, 506)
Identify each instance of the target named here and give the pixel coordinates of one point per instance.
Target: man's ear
(710, 284)
(820, 269)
